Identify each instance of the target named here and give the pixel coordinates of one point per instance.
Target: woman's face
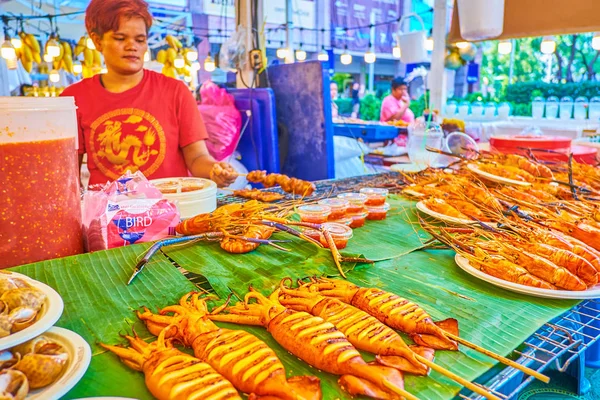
(124, 49)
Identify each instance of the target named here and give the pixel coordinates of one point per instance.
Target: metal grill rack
(560, 343)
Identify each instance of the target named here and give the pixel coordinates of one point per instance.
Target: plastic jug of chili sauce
(40, 204)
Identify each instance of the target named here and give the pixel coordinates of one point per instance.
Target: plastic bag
(222, 120)
(233, 54)
(127, 211)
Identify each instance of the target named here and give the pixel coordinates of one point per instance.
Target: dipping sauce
(358, 219)
(314, 213)
(356, 202)
(40, 212)
(375, 196)
(378, 213)
(338, 208)
(343, 221)
(182, 185)
(339, 233)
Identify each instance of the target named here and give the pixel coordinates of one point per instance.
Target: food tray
(450, 220)
(496, 178)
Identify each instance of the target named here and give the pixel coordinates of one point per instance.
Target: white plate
(48, 315)
(496, 178)
(446, 218)
(80, 356)
(591, 293)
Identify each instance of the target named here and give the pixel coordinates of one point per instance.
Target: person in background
(396, 105)
(333, 91)
(134, 119)
(355, 100)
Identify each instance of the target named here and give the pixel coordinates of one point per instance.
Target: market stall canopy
(540, 18)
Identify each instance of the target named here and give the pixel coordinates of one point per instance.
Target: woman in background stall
(134, 119)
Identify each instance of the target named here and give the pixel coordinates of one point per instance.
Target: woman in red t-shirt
(135, 119)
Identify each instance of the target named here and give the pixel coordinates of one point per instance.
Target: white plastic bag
(234, 54)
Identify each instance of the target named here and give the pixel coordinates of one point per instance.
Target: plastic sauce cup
(358, 219)
(339, 233)
(344, 221)
(375, 196)
(314, 213)
(338, 208)
(378, 213)
(356, 200)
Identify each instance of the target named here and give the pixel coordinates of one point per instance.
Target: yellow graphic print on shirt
(127, 139)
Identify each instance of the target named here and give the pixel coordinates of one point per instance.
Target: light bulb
(89, 43)
(370, 57)
(346, 58)
(429, 44)
(12, 63)
(209, 64)
(179, 61)
(505, 47)
(396, 52)
(323, 56)
(282, 52)
(462, 45)
(104, 70)
(300, 55)
(7, 50)
(195, 66)
(52, 48)
(147, 57)
(54, 76)
(192, 55)
(548, 45)
(188, 79)
(16, 42)
(596, 41)
(48, 57)
(77, 67)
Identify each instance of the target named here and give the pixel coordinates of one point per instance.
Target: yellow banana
(68, 51)
(26, 53)
(169, 71)
(68, 63)
(173, 42)
(88, 57)
(80, 46)
(37, 57)
(86, 72)
(56, 64)
(33, 43)
(28, 65)
(61, 54)
(171, 54)
(97, 58)
(161, 56)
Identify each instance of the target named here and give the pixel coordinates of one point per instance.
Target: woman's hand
(223, 174)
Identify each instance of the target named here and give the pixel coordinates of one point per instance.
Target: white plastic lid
(8, 104)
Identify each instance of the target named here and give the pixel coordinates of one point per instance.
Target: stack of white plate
(192, 196)
(78, 349)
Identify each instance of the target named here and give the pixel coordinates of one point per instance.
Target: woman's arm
(201, 164)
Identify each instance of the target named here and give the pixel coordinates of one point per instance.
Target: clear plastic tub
(566, 107)
(338, 207)
(378, 213)
(375, 196)
(356, 202)
(552, 106)
(41, 202)
(358, 219)
(537, 107)
(340, 234)
(314, 213)
(192, 196)
(580, 109)
(344, 221)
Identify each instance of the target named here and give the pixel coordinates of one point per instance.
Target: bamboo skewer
(399, 391)
(498, 357)
(469, 385)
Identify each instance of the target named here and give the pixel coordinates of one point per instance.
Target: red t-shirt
(143, 128)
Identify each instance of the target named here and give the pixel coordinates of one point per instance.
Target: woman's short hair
(102, 16)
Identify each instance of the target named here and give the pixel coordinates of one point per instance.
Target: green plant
(418, 106)
(344, 106)
(370, 108)
(524, 92)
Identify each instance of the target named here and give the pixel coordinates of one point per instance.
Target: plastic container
(378, 213)
(504, 110)
(192, 196)
(552, 106)
(41, 202)
(463, 109)
(344, 221)
(490, 110)
(358, 219)
(356, 202)
(340, 234)
(537, 107)
(338, 207)
(580, 109)
(480, 20)
(566, 107)
(413, 43)
(314, 213)
(419, 138)
(595, 109)
(451, 108)
(477, 110)
(375, 196)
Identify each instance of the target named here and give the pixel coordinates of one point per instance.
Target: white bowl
(193, 202)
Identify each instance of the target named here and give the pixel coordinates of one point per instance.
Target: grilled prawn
(247, 362)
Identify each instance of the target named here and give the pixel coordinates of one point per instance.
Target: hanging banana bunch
(29, 52)
(92, 59)
(174, 58)
(65, 59)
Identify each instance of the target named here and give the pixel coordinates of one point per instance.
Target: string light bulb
(548, 45)
(16, 42)
(89, 43)
(396, 52)
(77, 67)
(7, 50)
(48, 58)
(52, 47)
(12, 63)
(346, 58)
(188, 79)
(323, 55)
(147, 56)
(429, 44)
(54, 76)
(209, 64)
(370, 56)
(596, 41)
(104, 70)
(300, 54)
(179, 61)
(504, 47)
(462, 45)
(195, 66)
(192, 55)
(282, 52)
